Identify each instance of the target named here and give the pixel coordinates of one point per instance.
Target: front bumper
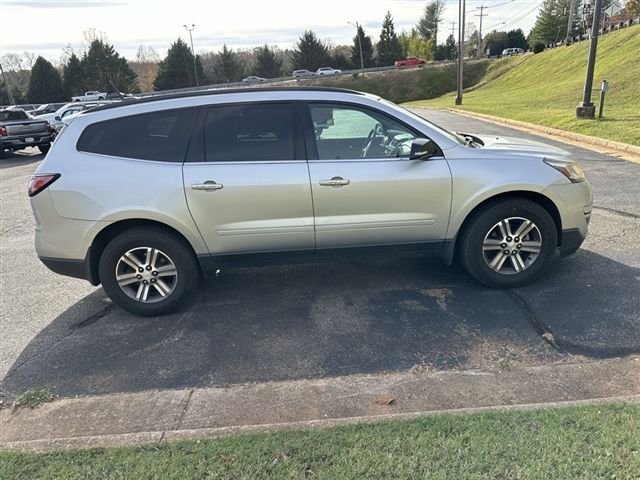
(571, 240)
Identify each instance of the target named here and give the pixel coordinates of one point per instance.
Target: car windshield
(453, 136)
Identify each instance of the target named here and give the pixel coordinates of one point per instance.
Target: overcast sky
(45, 27)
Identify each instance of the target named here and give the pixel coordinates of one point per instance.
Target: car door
(365, 189)
(247, 181)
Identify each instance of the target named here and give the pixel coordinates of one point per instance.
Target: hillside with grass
(399, 86)
(545, 88)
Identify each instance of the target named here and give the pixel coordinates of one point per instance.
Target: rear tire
(44, 148)
(509, 243)
(149, 271)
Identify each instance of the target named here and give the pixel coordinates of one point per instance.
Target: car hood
(518, 145)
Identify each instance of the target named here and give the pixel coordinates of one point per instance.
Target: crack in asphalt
(75, 327)
(564, 346)
(619, 212)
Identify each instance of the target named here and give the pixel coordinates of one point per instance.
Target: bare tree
(146, 67)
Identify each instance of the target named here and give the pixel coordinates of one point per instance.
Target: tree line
(100, 67)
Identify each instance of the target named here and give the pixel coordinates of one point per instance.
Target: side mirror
(57, 118)
(422, 148)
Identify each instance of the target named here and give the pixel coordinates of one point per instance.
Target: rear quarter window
(162, 136)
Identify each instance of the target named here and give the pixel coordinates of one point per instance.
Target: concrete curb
(140, 438)
(151, 416)
(625, 150)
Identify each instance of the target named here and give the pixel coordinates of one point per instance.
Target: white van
(507, 52)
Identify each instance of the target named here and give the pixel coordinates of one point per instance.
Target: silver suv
(146, 196)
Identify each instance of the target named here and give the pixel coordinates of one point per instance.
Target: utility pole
(569, 39)
(479, 44)
(461, 8)
(453, 29)
(195, 70)
(4, 79)
(357, 25)
(586, 109)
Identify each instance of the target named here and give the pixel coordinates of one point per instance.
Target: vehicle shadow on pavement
(13, 159)
(329, 319)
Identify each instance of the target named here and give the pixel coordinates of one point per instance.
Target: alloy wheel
(146, 274)
(512, 245)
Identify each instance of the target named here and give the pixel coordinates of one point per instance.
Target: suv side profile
(146, 196)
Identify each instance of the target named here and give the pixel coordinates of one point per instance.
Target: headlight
(571, 170)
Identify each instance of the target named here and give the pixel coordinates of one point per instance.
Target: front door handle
(335, 182)
(208, 185)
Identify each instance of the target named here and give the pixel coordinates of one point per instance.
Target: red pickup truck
(409, 62)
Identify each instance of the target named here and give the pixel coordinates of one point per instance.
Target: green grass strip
(588, 442)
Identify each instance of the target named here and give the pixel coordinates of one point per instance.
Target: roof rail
(204, 93)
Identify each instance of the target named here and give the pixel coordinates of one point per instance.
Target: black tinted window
(162, 136)
(249, 133)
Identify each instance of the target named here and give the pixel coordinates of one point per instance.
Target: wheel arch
(449, 251)
(114, 229)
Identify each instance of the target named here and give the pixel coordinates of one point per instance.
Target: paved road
(326, 319)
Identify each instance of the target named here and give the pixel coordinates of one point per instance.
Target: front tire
(509, 243)
(148, 271)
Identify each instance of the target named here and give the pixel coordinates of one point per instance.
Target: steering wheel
(376, 131)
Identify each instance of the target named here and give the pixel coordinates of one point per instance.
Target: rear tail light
(50, 128)
(3, 132)
(41, 181)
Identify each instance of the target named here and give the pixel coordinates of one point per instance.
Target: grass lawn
(590, 442)
(545, 88)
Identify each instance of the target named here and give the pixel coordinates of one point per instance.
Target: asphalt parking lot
(327, 319)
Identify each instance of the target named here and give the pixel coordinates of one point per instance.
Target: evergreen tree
(389, 46)
(428, 24)
(495, 42)
(340, 57)
(73, 77)
(367, 49)
(268, 63)
(516, 39)
(4, 94)
(551, 23)
(105, 70)
(45, 84)
(18, 95)
(447, 50)
(228, 68)
(310, 53)
(176, 70)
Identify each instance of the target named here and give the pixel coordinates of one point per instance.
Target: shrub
(538, 47)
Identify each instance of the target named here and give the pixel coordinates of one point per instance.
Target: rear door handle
(208, 185)
(335, 182)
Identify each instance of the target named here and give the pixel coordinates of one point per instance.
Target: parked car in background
(47, 108)
(298, 74)
(89, 96)
(409, 62)
(144, 196)
(119, 96)
(253, 79)
(60, 120)
(508, 52)
(19, 131)
(328, 71)
(28, 108)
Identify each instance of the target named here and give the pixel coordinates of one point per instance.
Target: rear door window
(161, 136)
(250, 132)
